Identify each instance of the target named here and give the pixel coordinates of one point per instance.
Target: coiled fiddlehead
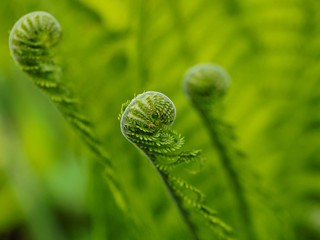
(31, 41)
(205, 84)
(146, 122)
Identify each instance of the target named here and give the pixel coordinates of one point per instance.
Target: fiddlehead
(31, 41)
(146, 122)
(205, 84)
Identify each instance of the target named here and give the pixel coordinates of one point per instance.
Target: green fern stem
(179, 203)
(205, 85)
(31, 41)
(146, 122)
(225, 153)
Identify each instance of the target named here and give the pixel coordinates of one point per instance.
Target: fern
(146, 122)
(205, 84)
(31, 41)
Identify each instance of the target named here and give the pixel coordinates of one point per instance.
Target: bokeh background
(51, 186)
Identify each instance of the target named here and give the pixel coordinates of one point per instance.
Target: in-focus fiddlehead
(31, 41)
(204, 85)
(146, 122)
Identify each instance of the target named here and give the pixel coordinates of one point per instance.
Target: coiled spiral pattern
(145, 121)
(31, 41)
(206, 82)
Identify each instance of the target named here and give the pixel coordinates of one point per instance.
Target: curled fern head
(146, 114)
(30, 40)
(205, 82)
(146, 119)
(146, 122)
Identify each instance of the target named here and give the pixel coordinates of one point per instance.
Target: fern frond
(170, 161)
(146, 123)
(205, 84)
(31, 41)
(178, 183)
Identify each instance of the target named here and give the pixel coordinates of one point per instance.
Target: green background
(51, 186)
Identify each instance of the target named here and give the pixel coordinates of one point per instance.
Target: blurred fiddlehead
(31, 41)
(205, 84)
(146, 122)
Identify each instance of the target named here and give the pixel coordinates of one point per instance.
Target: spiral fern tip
(145, 115)
(206, 82)
(31, 38)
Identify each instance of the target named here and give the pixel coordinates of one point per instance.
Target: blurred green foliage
(50, 185)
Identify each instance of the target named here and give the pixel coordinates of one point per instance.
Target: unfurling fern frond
(204, 85)
(31, 41)
(146, 122)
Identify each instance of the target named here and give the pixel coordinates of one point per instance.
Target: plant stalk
(233, 176)
(177, 200)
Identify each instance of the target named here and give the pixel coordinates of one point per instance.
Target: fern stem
(177, 200)
(205, 84)
(146, 121)
(31, 41)
(234, 179)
